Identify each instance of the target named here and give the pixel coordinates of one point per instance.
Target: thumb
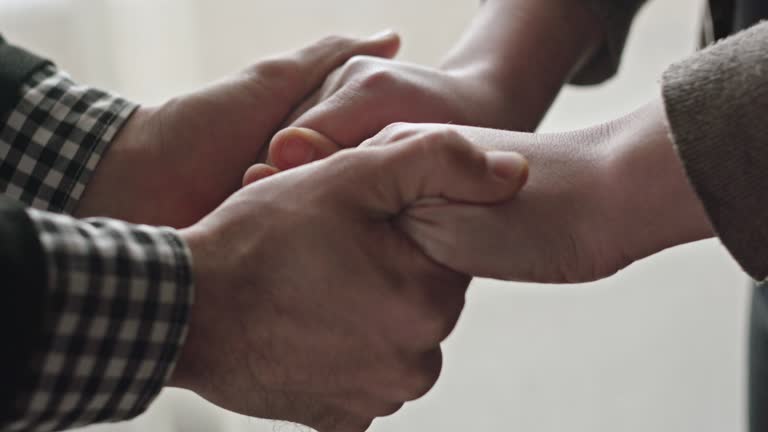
(318, 60)
(439, 165)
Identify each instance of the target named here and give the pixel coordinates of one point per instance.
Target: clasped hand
(311, 305)
(323, 292)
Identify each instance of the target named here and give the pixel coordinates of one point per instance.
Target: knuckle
(398, 131)
(449, 139)
(435, 308)
(379, 408)
(436, 328)
(401, 131)
(378, 79)
(357, 64)
(451, 149)
(440, 141)
(356, 68)
(436, 324)
(389, 409)
(419, 381)
(411, 146)
(426, 146)
(391, 134)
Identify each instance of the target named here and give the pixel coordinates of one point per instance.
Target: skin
(429, 197)
(598, 199)
(311, 305)
(498, 75)
(194, 148)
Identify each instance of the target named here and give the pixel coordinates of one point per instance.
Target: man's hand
(172, 164)
(311, 306)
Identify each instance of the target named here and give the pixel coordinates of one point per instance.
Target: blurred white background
(659, 347)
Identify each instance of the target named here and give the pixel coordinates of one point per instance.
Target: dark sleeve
(107, 327)
(23, 279)
(95, 311)
(16, 67)
(615, 17)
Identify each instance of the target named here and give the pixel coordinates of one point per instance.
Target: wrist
(525, 50)
(116, 174)
(189, 370)
(648, 188)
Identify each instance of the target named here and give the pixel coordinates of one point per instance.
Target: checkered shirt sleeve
(54, 138)
(118, 295)
(118, 302)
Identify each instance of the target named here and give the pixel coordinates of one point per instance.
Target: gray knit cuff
(717, 106)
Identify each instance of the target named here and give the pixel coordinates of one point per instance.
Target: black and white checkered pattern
(118, 295)
(54, 138)
(118, 301)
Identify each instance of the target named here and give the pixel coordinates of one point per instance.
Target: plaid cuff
(51, 142)
(118, 302)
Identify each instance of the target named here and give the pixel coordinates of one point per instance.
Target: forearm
(597, 200)
(53, 137)
(526, 50)
(649, 191)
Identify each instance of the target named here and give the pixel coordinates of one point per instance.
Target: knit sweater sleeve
(717, 107)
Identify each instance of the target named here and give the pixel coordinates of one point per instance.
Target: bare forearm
(526, 49)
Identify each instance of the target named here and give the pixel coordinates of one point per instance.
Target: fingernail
(507, 166)
(297, 152)
(384, 34)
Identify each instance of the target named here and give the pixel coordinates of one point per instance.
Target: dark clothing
(94, 311)
(758, 360)
(23, 279)
(22, 262)
(16, 66)
(745, 14)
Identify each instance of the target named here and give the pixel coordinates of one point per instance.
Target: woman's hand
(369, 93)
(498, 75)
(596, 201)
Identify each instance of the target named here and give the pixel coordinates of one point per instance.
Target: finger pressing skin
(440, 164)
(293, 147)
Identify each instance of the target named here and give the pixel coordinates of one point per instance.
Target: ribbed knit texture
(717, 106)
